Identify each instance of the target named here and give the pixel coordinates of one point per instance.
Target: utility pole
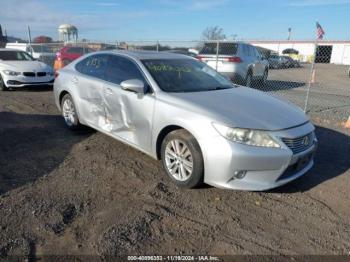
(30, 41)
(289, 33)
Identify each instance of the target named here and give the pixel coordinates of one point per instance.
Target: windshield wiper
(220, 88)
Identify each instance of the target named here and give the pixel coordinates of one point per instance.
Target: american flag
(320, 31)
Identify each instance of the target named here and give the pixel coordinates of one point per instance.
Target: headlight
(249, 137)
(11, 73)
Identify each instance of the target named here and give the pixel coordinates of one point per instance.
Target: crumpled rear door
(129, 115)
(91, 106)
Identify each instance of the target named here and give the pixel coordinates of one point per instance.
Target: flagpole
(312, 76)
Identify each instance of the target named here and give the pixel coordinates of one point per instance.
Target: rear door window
(224, 49)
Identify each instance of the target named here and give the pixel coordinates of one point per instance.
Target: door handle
(75, 80)
(108, 91)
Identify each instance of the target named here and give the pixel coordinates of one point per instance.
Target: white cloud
(107, 4)
(207, 4)
(302, 3)
(194, 5)
(44, 20)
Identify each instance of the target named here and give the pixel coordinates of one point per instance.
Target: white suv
(241, 62)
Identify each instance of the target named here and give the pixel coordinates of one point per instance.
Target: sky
(120, 20)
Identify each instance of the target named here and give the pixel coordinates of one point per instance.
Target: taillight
(235, 59)
(200, 58)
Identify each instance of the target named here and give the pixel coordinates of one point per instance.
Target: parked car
(68, 54)
(177, 109)
(39, 52)
(290, 62)
(241, 62)
(277, 62)
(18, 69)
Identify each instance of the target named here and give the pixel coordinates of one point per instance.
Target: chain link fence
(303, 74)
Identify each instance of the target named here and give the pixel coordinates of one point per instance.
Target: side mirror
(133, 85)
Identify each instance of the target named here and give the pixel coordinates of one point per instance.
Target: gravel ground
(84, 193)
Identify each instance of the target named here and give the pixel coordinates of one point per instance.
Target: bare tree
(213, 33)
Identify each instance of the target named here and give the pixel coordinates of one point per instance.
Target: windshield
(15, 56)
(185, 75)
(41, 49)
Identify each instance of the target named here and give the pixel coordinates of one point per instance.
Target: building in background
(3, 38)
(42, 39)
(335, 52)
(68, 33)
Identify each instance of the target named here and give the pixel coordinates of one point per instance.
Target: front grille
(299, 144)
(41, 74)
(32, 74)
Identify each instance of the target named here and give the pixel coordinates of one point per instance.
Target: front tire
(69, 112)
(3, 87)
(182, 159)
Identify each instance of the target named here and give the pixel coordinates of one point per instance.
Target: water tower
(68, 33)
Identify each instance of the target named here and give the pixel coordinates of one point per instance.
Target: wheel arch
(164, 132)
(62, 94)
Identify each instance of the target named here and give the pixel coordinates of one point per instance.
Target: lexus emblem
(306, 141)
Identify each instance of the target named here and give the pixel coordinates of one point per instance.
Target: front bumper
(22, 81)
(265, 168)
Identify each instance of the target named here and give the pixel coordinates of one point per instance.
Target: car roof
(10, 49)
(142, 55)
(19, 44)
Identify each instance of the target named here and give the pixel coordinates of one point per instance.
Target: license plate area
(303, 162)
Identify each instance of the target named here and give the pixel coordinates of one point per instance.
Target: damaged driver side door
(129, 115)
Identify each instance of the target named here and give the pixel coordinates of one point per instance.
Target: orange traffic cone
(347, 123)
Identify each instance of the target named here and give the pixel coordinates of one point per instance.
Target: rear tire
(264, 77)
(249, 79)
(3, 87)
(182, 159)
(69, 113)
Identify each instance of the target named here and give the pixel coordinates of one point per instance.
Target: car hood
(24, 66)
(242, 107)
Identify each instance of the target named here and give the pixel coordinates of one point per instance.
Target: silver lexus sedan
(174, 108)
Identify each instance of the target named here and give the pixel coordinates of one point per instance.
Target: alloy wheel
(178, 160)
(68, 112)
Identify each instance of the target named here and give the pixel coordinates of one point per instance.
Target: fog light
(13, 82)
(239, 174)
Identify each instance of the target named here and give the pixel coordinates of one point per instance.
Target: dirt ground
(84, 193)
